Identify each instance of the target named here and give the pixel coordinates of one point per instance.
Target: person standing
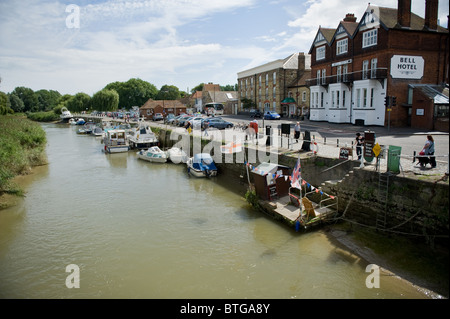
(429, 150)
(297, 131)
(359, 145)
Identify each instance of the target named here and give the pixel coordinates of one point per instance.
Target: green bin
(393, 164)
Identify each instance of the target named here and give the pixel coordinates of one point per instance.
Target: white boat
(153, 154)
(116, 141)
(97, 131)
(65, 114)
(142, 137)
(177, 155)
(202, 165)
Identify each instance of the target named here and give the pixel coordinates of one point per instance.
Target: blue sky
(175, 42)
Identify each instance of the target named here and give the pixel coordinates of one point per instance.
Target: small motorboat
(80, 121)
(153, 154)
(87, 128)
(97, 131)
(65, 115)
(201, 165)
(177, 155)
(142, 137)
(116, 141)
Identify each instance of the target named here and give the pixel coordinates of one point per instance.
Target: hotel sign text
(407, 67)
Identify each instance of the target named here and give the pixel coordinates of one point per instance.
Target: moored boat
(202, 165)
(177, 155)
(142, 137)
(153, 154)
(65, 115)
(115, 141)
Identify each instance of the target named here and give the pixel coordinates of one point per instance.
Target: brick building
(357, 65)
(165, 107)
(275, 86)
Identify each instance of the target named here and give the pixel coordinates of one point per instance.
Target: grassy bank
(22, 146)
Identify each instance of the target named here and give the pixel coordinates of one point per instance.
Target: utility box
(393, 164)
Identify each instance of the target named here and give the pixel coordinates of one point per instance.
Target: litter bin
(393, 164)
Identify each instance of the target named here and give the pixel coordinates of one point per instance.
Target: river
(145, 230)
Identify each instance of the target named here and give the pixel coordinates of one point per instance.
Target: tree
(47, 100)
(198, 88)
(5, 104)
(62, 102)
(78, 103)
(134, 92)
(29, 99)
(248, 103)
(168, 92)
(105, 100)
(229, 87)
(16, 103)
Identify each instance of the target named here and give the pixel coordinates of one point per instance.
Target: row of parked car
(197, 121)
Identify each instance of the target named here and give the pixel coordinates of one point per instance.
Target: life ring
(312, 144)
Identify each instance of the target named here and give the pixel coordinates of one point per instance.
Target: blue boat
(201, 165)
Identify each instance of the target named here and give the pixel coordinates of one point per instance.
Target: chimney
(350, 17)
(431, 14)
(404, 13)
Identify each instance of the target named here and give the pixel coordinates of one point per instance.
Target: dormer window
(369, 38)
(342, 46)
(320, 53)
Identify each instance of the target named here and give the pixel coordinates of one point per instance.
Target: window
(267, 78)
(358, 97)
(304, 96)
(338, 98)
(324, 75)
(371, 97)
(259, 80)
(345, 72)
(373, 68)
(339, 73)
(318, 76)
(365, 69)
(312, 100)
(364, 97)
(320, 53)
(274, 93)
(343, 98)
(369, 38)
(267, 93)
(332, 98)
(317, 99)
(321, 99)
(274, 78)
(342, 46)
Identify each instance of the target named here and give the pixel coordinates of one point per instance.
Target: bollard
(324, 141)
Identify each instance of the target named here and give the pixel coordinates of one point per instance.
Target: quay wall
(414, 206)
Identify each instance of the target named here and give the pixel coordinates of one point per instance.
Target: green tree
(78, 103)
(28, 97)
(16, 103)
(198, 88)
(62, 102)
(168, 92)
(229, 87)
(248, 103)
(105, 100)
(134, 92)
(5, 104)
(47, 100)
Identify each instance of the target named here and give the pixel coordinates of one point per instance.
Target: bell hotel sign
(407, 67)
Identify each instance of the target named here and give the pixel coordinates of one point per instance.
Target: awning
(288, 100)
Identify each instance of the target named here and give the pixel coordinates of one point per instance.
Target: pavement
(329, 138)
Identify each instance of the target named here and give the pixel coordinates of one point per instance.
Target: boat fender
(105, 148)
(297, 226)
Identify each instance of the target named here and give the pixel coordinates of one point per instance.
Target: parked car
(256, 114)
(196, 121)
(169, 118)
(182, 120)
(217, 122)
(158, 117)
(270, 115)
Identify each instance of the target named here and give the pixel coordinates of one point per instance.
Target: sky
(81, 46)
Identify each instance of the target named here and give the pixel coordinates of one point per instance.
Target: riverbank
(22, 147)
